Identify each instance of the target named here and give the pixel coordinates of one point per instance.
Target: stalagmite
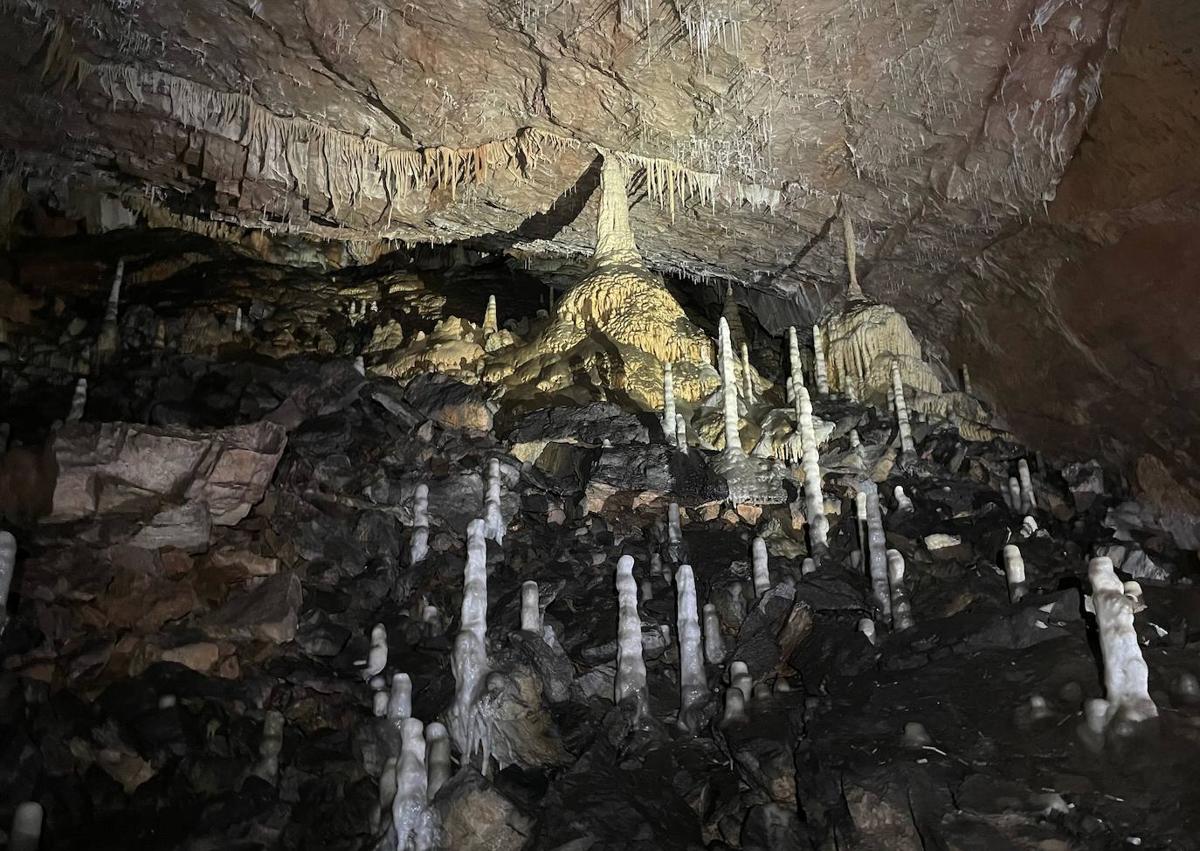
(237, 321)
(821, 375)
(903, 503)
(8, 561)
(387, 789)
(877, 552)
(906, 438)
(855, 441)
(747, 378)
(853, 290)
(1125, 672)
(1014, 573)
(490, 323)
(469, 660)
(379, 699)
(860, 516)
(630, 681)
(419, 545)
(1028, 500)
(693, 685)
(412, 821)
(531, 612)
(491, 506)
(399, 705)
(1029, 526)
(739, 678)
(377, 657)
(1013, 497)
(966, 380)
(867, 627)
(735, 706)
(797, 373)
(437, 754)
(668, 420)
(814, 500)
(733, 440)
(26, 832)
(681, 433)
(270, 746)
(676, 551)
(78, 401)
(714, 642)
(902, 618)
(809, 565)
(110, 333)
(762, 575)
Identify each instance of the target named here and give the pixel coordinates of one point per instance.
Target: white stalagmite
(78, 401)
(437, 755)
(739, 678)
(1125, 673)
(903, 503)
(747, 378)
(762, 573)
(797, 374)
(855, 441)
(413, 822)
(631, 668)
(8, 561)
(399, 705)
(966, 380)
(906, 438)
(531, 611)
(110, 333)
(1028, 500)
(681, 433)
(377, 656)
(877, 552)
(668, 420)
(714, 642)
(693, 685)
(675, 549)
(360, 365)
(733, 440)
(469, 660)
(735, 706)
(867, 627)
(1013, 496)
(814, 500)
(270, 746)
(821, 373)
(491, 506)
(490, 324)
(237, 321)
(419, 545)
(902, 618)
(1014, 573)
(26, 832)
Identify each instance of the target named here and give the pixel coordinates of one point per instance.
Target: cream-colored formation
(797, 372)
(668, 420)
(490, 323)
(861, 342)
(1014, 573)
(618, 325)
(820, 370)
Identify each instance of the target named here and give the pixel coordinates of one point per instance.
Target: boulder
(130, 469)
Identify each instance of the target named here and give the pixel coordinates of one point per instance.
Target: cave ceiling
(936, 125)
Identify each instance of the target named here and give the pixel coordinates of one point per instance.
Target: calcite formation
(617, 327)
(862, 341)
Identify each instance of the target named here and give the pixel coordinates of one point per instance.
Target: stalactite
(854, 291)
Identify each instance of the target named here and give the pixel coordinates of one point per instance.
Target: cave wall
(1081, 327)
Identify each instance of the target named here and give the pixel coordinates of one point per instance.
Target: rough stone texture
(123, 468)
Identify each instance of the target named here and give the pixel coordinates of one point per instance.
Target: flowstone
(616, 328)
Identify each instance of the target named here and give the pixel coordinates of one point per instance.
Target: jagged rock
(449, 402)
(266, 613)
(123, 468)
(476, 817)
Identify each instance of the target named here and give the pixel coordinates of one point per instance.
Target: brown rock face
(1082, 327)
